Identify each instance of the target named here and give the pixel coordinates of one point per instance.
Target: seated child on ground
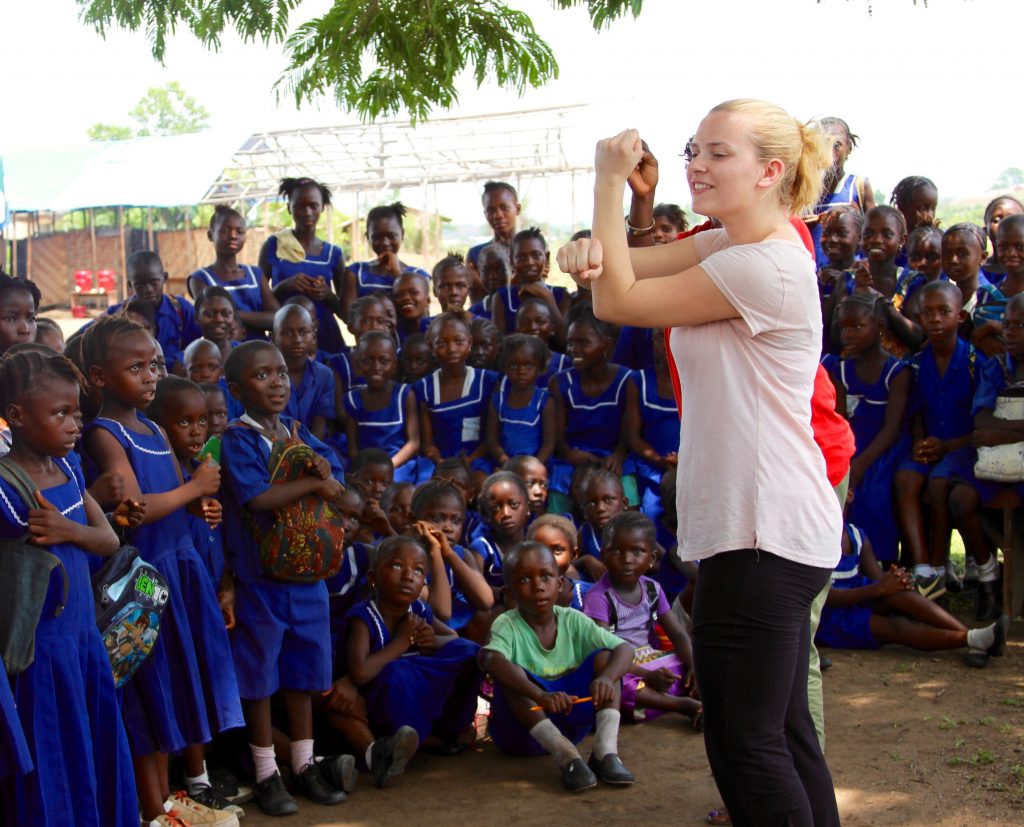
(557, 676)
(630, 604)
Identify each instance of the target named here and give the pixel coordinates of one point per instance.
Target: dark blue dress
(66, 700)
(872, 505)
(509, 297)
(848, 627)
(369, 282)
(458, 424)
(521, 430)
(246, 292)
(659, 427)
(314, 396)
(593, 424)
(490, 553)
(385, 429)
(185, 691)
(321, 266)
(556, 364)
(433, 692)
(15, 759)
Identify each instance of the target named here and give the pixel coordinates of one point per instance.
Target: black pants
(751, 643)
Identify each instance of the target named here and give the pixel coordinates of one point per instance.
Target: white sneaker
(196, 814)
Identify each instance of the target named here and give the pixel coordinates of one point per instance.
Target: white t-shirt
(750, 474)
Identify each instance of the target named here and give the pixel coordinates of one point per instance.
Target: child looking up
(530, 260)
(281, 639)
(411, 668)
(453, 399)
(872, 389)
(19, 301)
(383, 414)
(535, 475)
(988, 312)
(559, 535)
(495, 268)
(521, 418)
(412, 303)
(216, 316)
(248, 286)
(298, 261)
(174, 316)
(946, 373)
(544, 655)
(998, 209)
(630, 604)
(312, 396)
(593, 400)
(185, 691)
(385, 232)
(71, 760)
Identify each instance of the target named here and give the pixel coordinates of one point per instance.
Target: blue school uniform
(66, 720)
(185, 691)
(483, 309)
(579, 591)
(520, 430)
(234, 405)
(462, 610)
(490, 553)
(845, 192)
(458, 424)
(176, 326)
(872, 505)
(314, 396)
(433, 692)
(209, 543)
(246, 292)
(634, 347)
(593, 424)
(556, 364)
(847, 627)
(282, 633)
(589, 541)
(945, 404)
(509, 297)
(659, 427)
(341, 364)
(385, 429)
(348, 587)
(991, 304)
(369, 282)
(321, 266)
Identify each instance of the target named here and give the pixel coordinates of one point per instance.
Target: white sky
(919, 85)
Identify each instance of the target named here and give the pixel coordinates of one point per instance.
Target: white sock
(199, 782)
(988, 572)
(369, 762)
(547, 735)
(302, 754)
(940, 571)
(924, 570)
(981, 639)
(606, 733)
(264, 761)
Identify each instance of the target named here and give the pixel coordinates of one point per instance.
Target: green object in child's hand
(211, 449)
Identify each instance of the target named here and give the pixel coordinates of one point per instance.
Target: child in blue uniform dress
(559, 535)
(412, 669)
(174, 317)
(385, 232)
(185, 691)
(383, 414)
(946, 372)
(281, 639)
(248, 287)
(592, 400)
(530, 260)
(534, 319)
(495, 268)
(299, 262)
(504, 505)
(657, 450)
(521, 419)
(992, 299)
(453, 400)
(67, 722)
(543, 655)
(312, 398)
(872, 388)
(601, 497)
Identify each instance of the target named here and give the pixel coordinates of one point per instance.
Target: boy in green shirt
(544, 657)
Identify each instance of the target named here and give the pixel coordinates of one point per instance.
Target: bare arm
(412, 432)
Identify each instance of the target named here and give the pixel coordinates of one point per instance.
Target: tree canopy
(376, 57)
(163, 110)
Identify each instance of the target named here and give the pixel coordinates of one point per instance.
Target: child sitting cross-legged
(630, 604)
(556, 675)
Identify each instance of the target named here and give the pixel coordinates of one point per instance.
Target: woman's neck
(756, 224)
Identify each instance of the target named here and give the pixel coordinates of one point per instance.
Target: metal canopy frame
(397, 154)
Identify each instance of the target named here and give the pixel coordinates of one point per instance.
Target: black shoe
(272, 797)
(987, 604)
(954, 585)
(226, 784)
(611, 770)
(998, 647)
(824, 662)
(317, 788)
(977, 660)
(340, 770)
(577, 776)
(208, 796)
(388, 756)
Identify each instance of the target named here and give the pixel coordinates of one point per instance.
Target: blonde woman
(755, 506)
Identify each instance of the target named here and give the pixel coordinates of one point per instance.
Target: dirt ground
(913, 739)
